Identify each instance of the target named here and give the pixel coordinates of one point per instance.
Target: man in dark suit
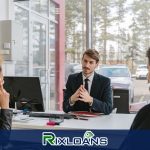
(87, 90)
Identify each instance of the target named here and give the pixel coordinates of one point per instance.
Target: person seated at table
(88, 90)
(5, 112)
(142, 119)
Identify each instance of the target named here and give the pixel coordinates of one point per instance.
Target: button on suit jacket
(100, 91)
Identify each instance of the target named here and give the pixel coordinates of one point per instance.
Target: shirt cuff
(71, 103)
(90, 104)
(7, 112)
(5, 119)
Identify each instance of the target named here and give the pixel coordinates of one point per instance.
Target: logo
(89, 139)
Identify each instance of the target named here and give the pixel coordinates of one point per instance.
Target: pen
(79, 118)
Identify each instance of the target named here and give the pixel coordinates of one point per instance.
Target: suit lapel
(79, 80)
(94, 86)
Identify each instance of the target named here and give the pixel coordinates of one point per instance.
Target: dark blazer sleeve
(5, 119)
(142, 119)
(103, 103)
(67, 94)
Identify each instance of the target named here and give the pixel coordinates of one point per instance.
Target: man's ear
(97, 64)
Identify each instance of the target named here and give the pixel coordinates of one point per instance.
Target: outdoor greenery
(120, 31)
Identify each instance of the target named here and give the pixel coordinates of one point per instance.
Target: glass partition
(22, 65)
(41, 6)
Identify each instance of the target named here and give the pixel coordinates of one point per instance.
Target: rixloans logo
(88, 139)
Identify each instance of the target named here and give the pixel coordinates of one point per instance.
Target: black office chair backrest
(121, 100)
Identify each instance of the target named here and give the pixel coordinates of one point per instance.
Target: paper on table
(21, 118)
(135, 107)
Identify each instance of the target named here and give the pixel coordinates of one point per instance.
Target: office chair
(121, 100)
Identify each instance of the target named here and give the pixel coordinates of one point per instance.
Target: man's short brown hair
(148, 55)
(92, 53)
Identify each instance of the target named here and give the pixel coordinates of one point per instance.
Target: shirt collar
(90, 77)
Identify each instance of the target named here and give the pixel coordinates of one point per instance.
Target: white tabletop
(111, 122)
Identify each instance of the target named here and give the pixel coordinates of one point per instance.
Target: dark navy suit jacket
(142, 119)
(139, 135)
(100, 91)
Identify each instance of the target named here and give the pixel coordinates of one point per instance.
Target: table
(99, 123)
(102, 122)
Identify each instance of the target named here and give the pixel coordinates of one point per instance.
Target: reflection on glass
(22, 16)
(23, 3)
(54, 11)
(39, 44)
(52, 80)
(52, 35)
(53, 39)
(39, 54)
(41, 6)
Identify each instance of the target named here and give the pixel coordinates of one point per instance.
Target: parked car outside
(69, 69)
(141, 72)
(120, 78)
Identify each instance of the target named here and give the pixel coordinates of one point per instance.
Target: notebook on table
(85, 114)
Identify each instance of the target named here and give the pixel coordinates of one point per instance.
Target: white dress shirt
(89, 81)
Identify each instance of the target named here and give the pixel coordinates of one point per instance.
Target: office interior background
(46, 38)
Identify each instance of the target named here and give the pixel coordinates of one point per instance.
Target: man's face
(88, 65)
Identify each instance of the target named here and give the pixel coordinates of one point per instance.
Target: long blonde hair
(1, 59)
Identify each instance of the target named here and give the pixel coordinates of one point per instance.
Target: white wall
(7, 13)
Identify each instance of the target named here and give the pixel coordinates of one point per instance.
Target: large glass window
(23, 3)
(53, 41)
(52, 47)
(39, 53)
(41, 6)
(52, 35)
(75, 31)
(22, 66)
(39, 44)
(54, 11)
(111, 29)
(40, 39)
(120, 32)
